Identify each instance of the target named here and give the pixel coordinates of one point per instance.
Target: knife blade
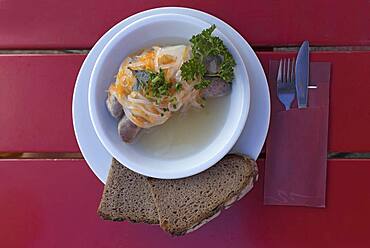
(302, 72)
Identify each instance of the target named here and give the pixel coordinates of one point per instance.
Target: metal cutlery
(285, 82)
(302, 69)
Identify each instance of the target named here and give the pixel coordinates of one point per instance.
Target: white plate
(134, 156)
(255, 130)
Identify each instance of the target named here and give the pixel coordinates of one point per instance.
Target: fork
(285, 82)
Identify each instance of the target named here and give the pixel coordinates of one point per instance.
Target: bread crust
(208, 216)
(109, 212)
(119, 204)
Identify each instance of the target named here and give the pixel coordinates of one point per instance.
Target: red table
(51, 201)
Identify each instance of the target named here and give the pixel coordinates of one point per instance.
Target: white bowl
(145, 32)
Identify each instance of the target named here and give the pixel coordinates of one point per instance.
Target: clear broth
(185, 133)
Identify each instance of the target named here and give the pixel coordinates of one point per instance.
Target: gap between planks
(40, 155)
(72, 51)
(77, 155)
(256, 48)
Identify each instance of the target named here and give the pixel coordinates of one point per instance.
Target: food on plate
(179, 206)
(186, 204)
(127, 129)
(155, 83)
(216, 88)
(114, 107)
(127, 196)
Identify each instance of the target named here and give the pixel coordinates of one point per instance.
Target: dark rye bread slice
(186, 204)
(127, 196)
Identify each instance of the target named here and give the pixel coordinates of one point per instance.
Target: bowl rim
(119, 155)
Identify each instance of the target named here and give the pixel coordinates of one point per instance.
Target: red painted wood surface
(45, 85)
(79, 24)
(35, 102)
(349, 110)
(53, 204)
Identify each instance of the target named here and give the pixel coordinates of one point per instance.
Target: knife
(302, 72)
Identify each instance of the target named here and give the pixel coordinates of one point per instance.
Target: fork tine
(284, 71)
(288, 71)
(285, 82)
(279, 77)
(293, 71)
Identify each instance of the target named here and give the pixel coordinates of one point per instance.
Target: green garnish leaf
(157, 86)
(178, 86)
(193, 69)
(203, 45)
(202, 85)
(227, 68)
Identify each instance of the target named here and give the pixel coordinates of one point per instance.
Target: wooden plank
(45, 85)
(79, 24)
(49, 203)
(349, 110)
(38, 87)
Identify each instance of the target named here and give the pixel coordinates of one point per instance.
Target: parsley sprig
(158, 84)
(153, 84)
(203, 45)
